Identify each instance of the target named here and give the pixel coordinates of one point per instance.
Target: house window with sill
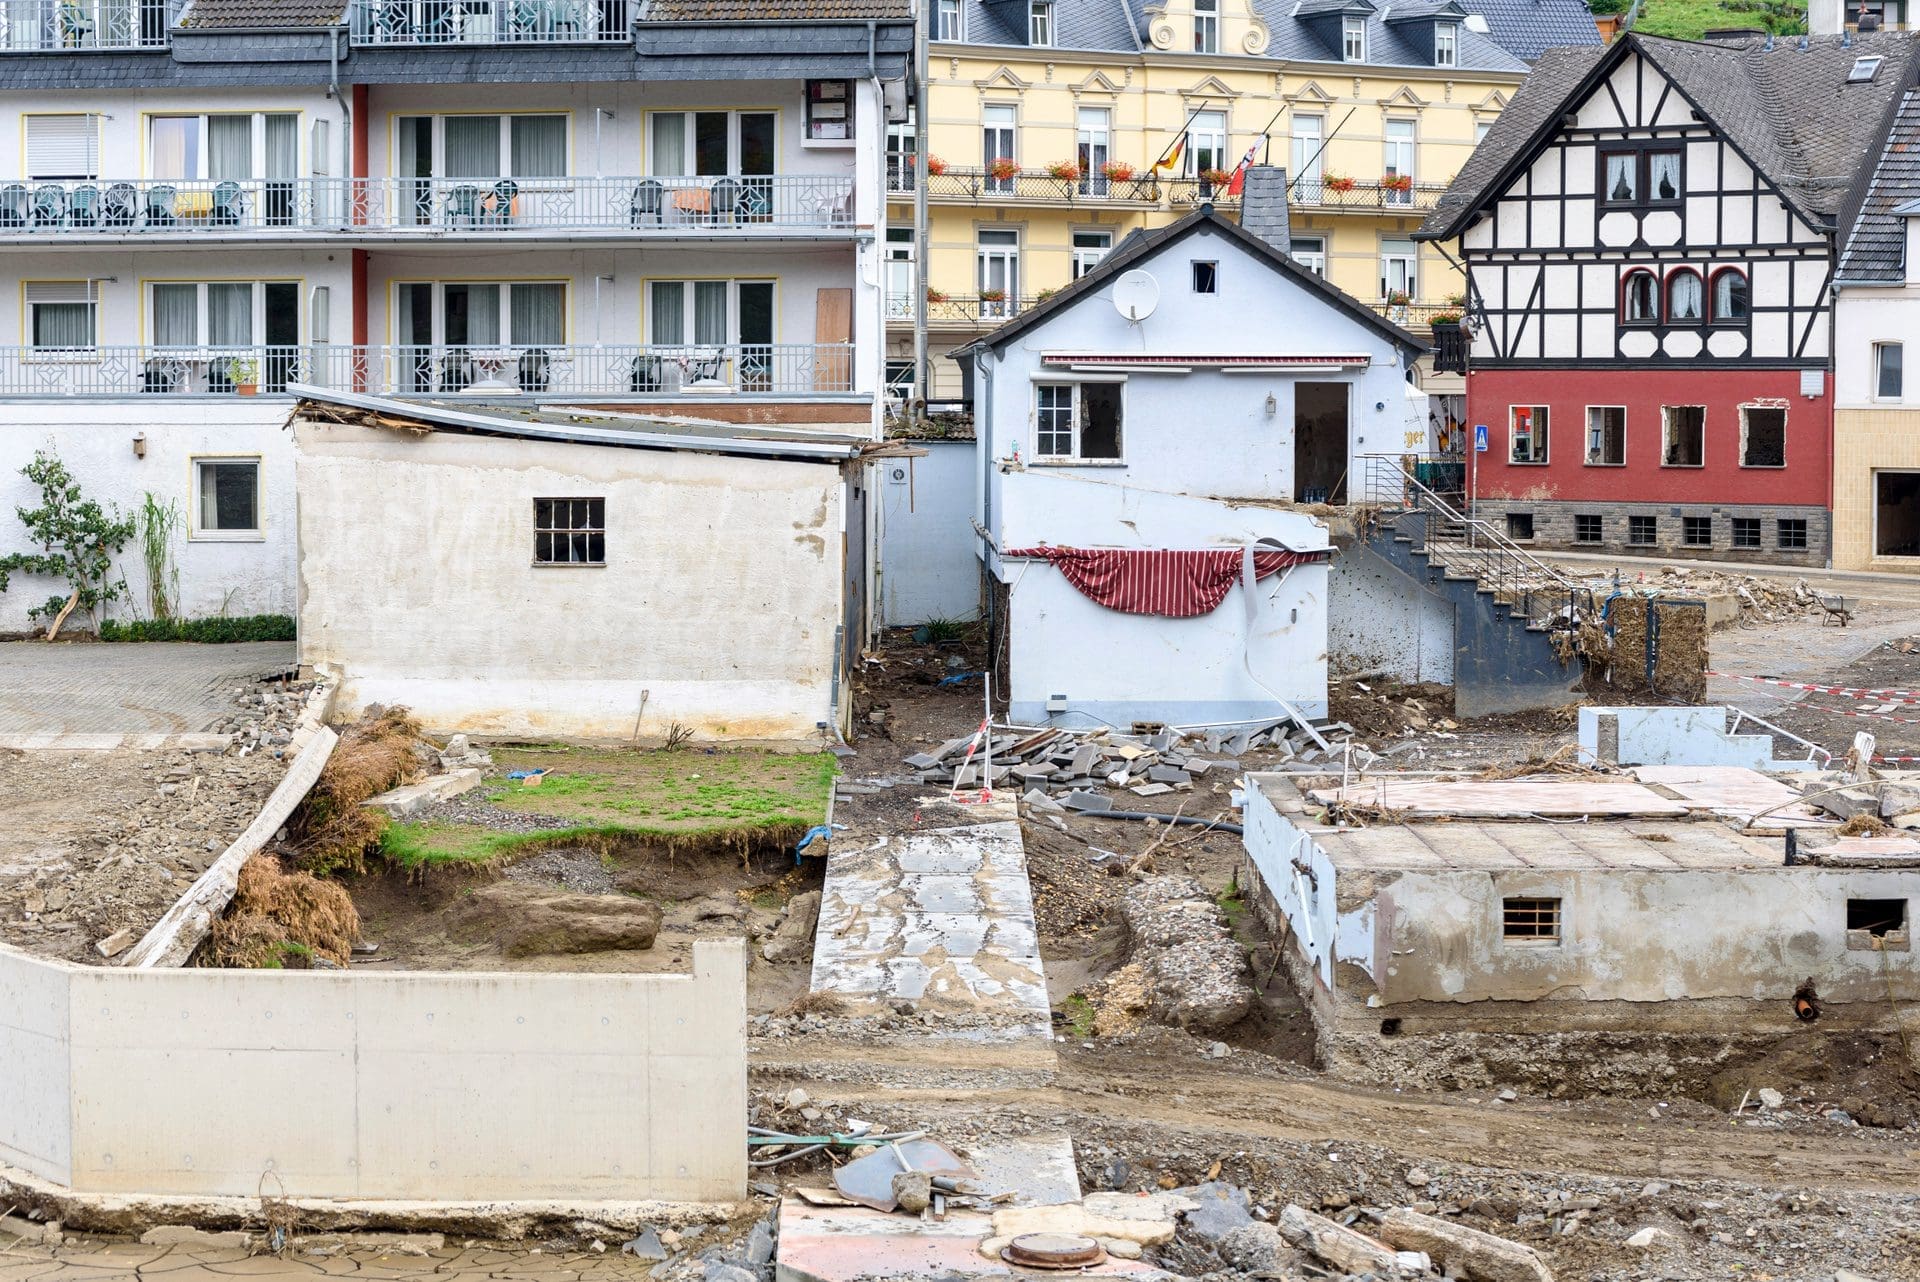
(226, 503)
(1640, 178)
(1077, 422)
(1353, 39)
(1446, 44)
(1040, 23)
(1527, 442)
(1889, 374)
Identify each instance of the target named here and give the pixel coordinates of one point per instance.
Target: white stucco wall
(929, 563)
(441, 1087)
(1378, 618)
(716, 609)
(95, 440)
(1861, 318)
(1300, 877)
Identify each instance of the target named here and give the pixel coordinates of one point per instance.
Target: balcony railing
(439, 22)
(1371, 197)
(955, 182)
(961, 310)
(34, 26)
(553, 370)
(1414, 314)
(672, 206)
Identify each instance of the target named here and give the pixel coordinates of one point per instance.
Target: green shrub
(220, 631)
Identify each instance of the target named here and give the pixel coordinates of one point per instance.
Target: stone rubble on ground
(1195, 972)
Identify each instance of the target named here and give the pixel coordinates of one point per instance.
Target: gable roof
(1784, 103)
(1876, 249)
(1528, 28)
(254, 15)
(1139, 245)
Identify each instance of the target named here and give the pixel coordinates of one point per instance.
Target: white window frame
(1087, 257)
(1053, 382)
(1880, 351)
(901, 277)
(1314, 260)
(1206, 26)
(504, 325)
(257, 161)
(1399, 144)
(1593, 454)
(689, 308)
(257, 311)
(1353, 38)
(1539, 435)
(1206, 132)
(687, 140)
(999, 123)
(198, 533)
(1406, 264)
(89, 122)
(1040, 23)
(1307, 145)
(1093, 146)
(79, 293)
(1006, 254)
(950, 21)
(1446, 44)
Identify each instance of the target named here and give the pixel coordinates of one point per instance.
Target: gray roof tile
(1528, 28)
(1876, 248)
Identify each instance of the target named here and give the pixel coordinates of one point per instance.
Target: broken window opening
(1527, 442)
(1530, 920)
(570, 531)
(1684, 436)
(1100, 420)
(1606, 435)
(1077, 421)
(1763, 436)
(1878, 917)
(1206, 277)
(1520, 526)
(1896, 513)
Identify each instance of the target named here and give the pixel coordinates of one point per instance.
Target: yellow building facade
(1043, 157)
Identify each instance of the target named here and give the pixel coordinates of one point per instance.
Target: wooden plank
(832, 323)
(174, 937)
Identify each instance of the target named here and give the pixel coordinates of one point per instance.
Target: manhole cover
(1053, 1251)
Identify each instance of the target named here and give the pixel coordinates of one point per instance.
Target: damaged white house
(1149, 439)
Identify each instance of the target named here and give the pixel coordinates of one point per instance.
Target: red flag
(1239, 178)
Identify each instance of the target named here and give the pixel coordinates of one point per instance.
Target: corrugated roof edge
(582, 434)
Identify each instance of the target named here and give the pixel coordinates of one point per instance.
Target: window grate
(570, 531)
(1530, 920)
(1790, 534)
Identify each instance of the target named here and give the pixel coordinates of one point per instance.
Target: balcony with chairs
(553, 370)
(780, 205)
(493, 22)
(65, 26)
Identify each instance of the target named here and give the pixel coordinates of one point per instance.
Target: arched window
(1731, 305)
(1640, 299)
(1685, 298)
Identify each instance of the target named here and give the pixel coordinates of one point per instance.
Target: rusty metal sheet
(869, 1180)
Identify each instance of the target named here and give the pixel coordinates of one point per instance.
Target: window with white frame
(224, 313)
(62, 315)
(1399, 271)
(900, 273)
(1089, 247)
(1481, 128)
(710, 143)
(1307, 167)
(1446, 44)
(63, 147)
(1353, 38)
(1040, 23)
(570, 531)
(1397, 163)
(1206, 142)
(997, 252)
(1889, 371)
(1093, 141)
(947, 20)
(1206, 26)
(1527, 434)
(224, 147)
(1310, 252)
(1077, 421)
(484, 146)
(1606, 435)
(997, 121)
(829, 111)
(226, 501)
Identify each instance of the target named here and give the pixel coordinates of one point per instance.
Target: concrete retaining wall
(436, 1087)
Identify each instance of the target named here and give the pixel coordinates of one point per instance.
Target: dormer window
(1353, 38)
(947, 20)
(1040, 23)
(1446, 44)
(1206, 26)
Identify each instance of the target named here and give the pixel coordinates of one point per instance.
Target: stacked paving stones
(1075, 768)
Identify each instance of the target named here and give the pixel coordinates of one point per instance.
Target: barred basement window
(569, 531)
(1790, 534)
(1641, 531)
(1746, 531)
(1587, 528)
(1696, 531)
(1530, 920)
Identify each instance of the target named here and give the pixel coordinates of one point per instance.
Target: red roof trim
(1135, 358)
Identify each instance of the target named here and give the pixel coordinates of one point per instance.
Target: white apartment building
(664, 207)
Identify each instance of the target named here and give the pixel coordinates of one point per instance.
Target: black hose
(1193, 820)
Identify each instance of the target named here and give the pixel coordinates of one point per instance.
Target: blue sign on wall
(1479, 438)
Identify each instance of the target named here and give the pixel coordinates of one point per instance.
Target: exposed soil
(1895, 719)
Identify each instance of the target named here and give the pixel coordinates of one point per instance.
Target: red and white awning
(1250, 361)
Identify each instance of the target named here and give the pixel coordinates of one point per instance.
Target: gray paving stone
(134, 688)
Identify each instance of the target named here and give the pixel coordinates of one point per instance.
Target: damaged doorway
(1320, 413)
(1896, 513)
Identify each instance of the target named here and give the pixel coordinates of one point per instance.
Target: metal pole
(922, 370)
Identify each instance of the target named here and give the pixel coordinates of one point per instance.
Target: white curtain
(538, 314)
(229, 147)
(669, 144)
(176, 146)
(539, 146)
(473, 315)
(472, 146)
(63, 325)
(710, 312)
(176, 311)
(283, 145)
(669, 323)
(230, 314)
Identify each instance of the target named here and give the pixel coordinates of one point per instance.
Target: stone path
(123, 689)
(941, 916)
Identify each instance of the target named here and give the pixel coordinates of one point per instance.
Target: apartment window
(483, 313)
(1640, 177)
(685, 144)
(1481, 128)
(829, 111)
(1397, 162)
(1310, 252)
(227, 147)
(997, 121)
(1077, 420)
(1527, 440)
(1040, 23)
(1520, 526)
(1093, 130)
(570, 531)
(1530, 920)
(1307, 143)
(900, 273)
(1763, 436)
(1889, 371)
(1683, 297)
(1206, 26)
(1732, 303)
(1896, 513)
(1399, 271)
(63, 147)
(1089, 247)
(1696, 531)
(947, 20)
(1353, 39)
(1446, 44)
(707, 313)
(1606, 435)
(1683, 436)
(226, 500)
(228, 314)
(1640, 299)
(1641, 531)
(63, 315)
(1587, 527)
(1206, 277)
(1663, 177)
(1790, 534)
(1746, 532)
(997, 254)
(1206, 142)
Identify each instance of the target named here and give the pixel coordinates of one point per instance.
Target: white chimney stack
(1826, 17)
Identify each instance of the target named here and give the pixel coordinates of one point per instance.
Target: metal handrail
(44, 26)
(438, 22)
(1813, 749)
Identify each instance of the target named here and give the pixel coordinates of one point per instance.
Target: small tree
(77, 539)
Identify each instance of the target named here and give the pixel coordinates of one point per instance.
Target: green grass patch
(1080, 1013)
(682, 790)
(1692, 19)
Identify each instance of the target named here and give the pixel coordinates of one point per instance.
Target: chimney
(1826, 17)
(1263, 206)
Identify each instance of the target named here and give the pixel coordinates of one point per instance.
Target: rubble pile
(265, 715)
(1762, 599)
(1196, 973)
(1075, 767)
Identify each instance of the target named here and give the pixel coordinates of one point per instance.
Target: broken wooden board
(1502, 798)
(174, 937)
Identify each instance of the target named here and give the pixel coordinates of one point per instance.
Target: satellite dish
(1136, 294)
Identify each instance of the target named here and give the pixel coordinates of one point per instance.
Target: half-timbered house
(1649, 238)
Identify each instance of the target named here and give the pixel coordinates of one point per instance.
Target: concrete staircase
(1505, 601)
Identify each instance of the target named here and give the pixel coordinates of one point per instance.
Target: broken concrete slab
(1087, 801)
(408, 800)
(1343, 1248)
(840, 1244)
(793, 939)
(1461, 1251)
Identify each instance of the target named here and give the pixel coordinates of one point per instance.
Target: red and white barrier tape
(1847, 692)
(981, 736)
(1862, 716)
